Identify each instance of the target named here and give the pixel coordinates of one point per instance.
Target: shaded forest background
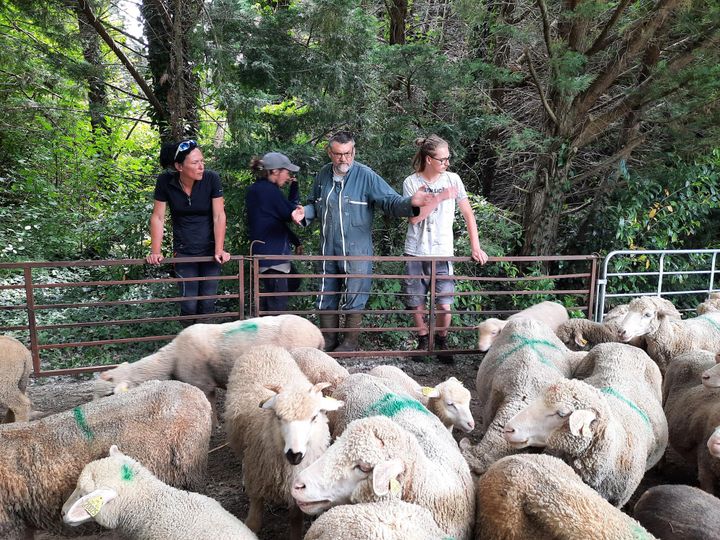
(579, 126)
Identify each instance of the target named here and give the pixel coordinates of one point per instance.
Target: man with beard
(344, 197)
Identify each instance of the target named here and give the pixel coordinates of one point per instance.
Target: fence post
(241, 287)
(431, 313)
(592, 285)
(32, 325)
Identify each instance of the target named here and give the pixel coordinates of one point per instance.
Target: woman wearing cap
(269, 213)
(197, 209)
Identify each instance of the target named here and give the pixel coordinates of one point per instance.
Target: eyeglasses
(445, 160)
(343, 154)
(185, 145)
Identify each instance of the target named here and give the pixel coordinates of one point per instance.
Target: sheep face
(644, 316)
(454, 400)
(361, 466)
(301, 415)
(560, 412)
(711, 377)
(488, 331)
(96, 490)
(713, 443)
(112, 381)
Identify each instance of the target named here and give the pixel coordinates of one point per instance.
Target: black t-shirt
(192, 218)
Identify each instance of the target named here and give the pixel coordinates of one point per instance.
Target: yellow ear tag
(394, 486)
(93, 504)
(427, 390)
(583, 341)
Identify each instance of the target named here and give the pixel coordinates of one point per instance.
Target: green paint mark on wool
(618, 395)
(243, 327)
(391, 404)
(640, 533)
(533, 344)
(82, 423)
(126, 473)
(711, 321)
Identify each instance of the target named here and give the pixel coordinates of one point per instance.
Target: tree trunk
(97, 95)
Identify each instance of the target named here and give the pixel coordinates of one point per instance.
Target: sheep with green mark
(448, 400)
(15, 369)
(166, 424)
(376, 460)
(525, 359)
(203, 354)
(540, 497)
(119, 493)
(657, 320)
(276, 424)
(693, 413)
(610, 427)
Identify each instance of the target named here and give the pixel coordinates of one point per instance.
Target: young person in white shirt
(430, 234)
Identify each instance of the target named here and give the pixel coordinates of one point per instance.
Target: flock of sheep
(373, 454)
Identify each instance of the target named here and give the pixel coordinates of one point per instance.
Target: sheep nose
(508, 429)
(298, 486)
(294, 457)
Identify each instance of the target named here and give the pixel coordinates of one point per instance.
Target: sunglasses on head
(185, 145)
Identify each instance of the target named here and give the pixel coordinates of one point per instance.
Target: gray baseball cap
(276, 160)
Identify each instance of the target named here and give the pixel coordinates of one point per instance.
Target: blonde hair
(427, 146)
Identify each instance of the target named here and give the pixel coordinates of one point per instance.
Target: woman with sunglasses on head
(269, 214)
(430, 234)
(197, 209)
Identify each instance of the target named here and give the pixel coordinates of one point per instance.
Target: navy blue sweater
(269, 213)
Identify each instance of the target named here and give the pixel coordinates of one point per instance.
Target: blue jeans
(357, 290)
(197, 288)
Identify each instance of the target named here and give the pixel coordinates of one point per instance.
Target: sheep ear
(429, 392)
(331, 404)
(268, 403)
(580, 423)
(88, 506)
(114, 451)
(121, 387)
(385, 476)
(580, 341)
(319, 387)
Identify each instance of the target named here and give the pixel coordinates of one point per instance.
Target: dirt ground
(224, 474)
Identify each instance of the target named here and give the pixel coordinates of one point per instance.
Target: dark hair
(341, 137)
(427, 146)
(167, 155)
(256, 165)
(179, 156)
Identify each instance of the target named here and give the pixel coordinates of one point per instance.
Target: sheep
(203, 354)
(712, 304)
(15, 369)
(318, 366)
(553, 314)
(540, 497)
(165, 424)
(579, 334)
(449, 400)
(667, 337)
(693, 413)
(375, 458)
(525, 359)
(387, 520)
(679, 513)
(119, 493)
(276, 440)
(610, 428)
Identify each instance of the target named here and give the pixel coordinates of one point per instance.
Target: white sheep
(534, 496)
(117, 492)
(203, 354)
(448, 400)
(319, 366)
(656, 319)
(525, 359)
(679, 513)
(276, 424)
(553, 314)
(711, 305)
(376, 459)
(387, 520)
(693, 413)
(610, 428)
(579, 334)
(165, 424)
(711, 377)
(15, 369)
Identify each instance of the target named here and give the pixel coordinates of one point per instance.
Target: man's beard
(341, 168)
